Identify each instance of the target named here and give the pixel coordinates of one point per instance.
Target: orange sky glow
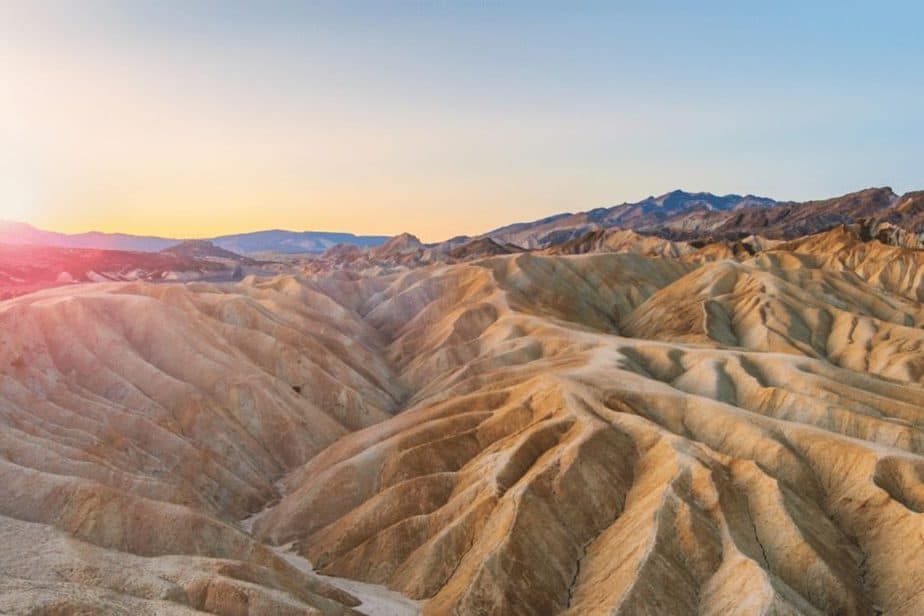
(174, 119)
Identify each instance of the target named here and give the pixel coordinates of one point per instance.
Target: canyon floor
(650, 427)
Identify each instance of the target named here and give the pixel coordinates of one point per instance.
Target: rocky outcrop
(702, 432)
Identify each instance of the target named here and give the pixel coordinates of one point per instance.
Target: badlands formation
(616, 425)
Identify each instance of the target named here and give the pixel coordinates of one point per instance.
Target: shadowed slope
(617, 475)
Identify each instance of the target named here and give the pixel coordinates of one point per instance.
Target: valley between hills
(725, 416)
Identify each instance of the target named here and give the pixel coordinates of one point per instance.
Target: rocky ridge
(619, 424)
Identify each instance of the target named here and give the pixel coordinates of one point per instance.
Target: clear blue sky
(194, 118)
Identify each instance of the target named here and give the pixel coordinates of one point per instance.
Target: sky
(196, 119)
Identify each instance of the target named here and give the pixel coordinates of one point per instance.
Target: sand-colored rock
(621, 240)
(749, 463)
(634, 432)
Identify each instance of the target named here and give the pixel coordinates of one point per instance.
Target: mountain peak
(681, 199)
(402, 243)
(12, 226)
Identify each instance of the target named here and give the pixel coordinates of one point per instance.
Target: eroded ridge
(694, 432)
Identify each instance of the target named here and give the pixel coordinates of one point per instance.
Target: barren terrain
(616, 425)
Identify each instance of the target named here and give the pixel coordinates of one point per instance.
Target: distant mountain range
(291, 242)
(247, 243)
(647, 213)
(705, 217)
(678, 215)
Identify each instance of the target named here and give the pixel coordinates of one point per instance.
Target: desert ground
(612, 424)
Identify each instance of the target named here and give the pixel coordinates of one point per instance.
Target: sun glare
(17, 201)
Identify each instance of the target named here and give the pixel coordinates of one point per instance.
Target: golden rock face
(659, 430)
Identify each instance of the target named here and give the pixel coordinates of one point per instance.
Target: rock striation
(632, 426)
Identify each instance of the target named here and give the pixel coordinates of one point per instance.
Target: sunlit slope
(606, 473)
(149, 419)
(522, 434)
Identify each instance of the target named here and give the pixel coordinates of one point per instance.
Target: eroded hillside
(649, 429)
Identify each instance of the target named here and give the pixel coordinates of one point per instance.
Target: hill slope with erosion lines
(612, 433)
